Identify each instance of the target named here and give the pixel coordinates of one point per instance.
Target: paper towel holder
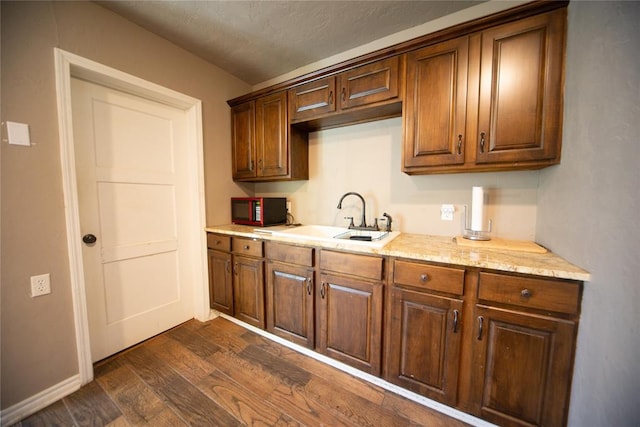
(474, 234)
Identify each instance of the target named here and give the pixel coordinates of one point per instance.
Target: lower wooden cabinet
(220, 277)
(523, 345)
(349, 309)
(523, 367)
(220, 283)
(425, 342)
(424, 329)
(497, 345)
(350, 321)
(248, 281)
(290, 292)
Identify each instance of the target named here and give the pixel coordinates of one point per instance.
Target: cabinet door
(369, 83)
(243, 142)
(522, 367)
(435, 105)
(220, 283)
(248, 290)
(425, 344)
(313, 99)
(290, 291)
(271, 135)
(350, 321)
(520, 106)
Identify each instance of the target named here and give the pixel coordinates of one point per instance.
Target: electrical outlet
(40, 285)
(446, 212)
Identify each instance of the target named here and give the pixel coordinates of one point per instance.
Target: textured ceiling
(259, 40)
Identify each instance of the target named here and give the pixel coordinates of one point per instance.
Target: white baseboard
(39, 401)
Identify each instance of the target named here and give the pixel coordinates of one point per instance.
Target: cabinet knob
(246, 247)
(424, 277)
(525, 293)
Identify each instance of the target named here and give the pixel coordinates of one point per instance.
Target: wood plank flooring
(219, 374)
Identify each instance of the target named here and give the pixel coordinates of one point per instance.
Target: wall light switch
(446, 212)
(18, 134)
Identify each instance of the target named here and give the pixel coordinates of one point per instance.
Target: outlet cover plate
(446, 212)
(40, 285)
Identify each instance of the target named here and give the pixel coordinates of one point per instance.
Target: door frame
(68, 65)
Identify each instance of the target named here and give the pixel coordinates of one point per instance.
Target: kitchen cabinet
(367, 85)
(436, 105)
(220, 278)
(491, 100)
(290, 290)
(423, 334)
(523, 349)
(264, 148)
(349, 309)
(248, 281)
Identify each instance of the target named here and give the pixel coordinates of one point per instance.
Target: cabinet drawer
(365, 266)
(442, 279)
(218, 242)
(251, 247)
(291, 254)
(543, 294)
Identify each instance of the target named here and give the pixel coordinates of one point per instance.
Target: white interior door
(132, 178)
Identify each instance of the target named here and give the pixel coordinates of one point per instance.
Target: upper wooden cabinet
(263, 146)
(436, 105)
(485, 95)
(488, 101)
(521, 81)
(374, 84)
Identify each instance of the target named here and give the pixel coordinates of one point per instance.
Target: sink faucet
(363, 221)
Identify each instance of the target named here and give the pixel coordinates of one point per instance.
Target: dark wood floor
(220, 374)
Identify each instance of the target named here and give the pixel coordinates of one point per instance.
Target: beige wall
(38, 337)
(366, 158)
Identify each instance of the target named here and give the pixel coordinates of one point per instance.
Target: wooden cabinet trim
(429, 277)
(246, 246)
(530, 292)
(366, 266)
(301, 255)
(218, 242)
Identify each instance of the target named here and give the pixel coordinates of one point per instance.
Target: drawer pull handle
(480, 327)
(424, 277)
(218, 242)
(525, 293)
(455, 321)
(322, 291)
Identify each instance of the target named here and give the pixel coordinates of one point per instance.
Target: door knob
(89, 239)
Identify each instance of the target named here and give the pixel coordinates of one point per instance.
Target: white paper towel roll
(477, 208)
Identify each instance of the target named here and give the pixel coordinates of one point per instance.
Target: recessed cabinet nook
(485, 95)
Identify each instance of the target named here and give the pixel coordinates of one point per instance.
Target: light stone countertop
(438, 249)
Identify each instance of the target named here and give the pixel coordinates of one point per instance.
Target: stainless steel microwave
(259, 211)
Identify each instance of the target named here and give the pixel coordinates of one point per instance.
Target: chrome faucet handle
(351, 224)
